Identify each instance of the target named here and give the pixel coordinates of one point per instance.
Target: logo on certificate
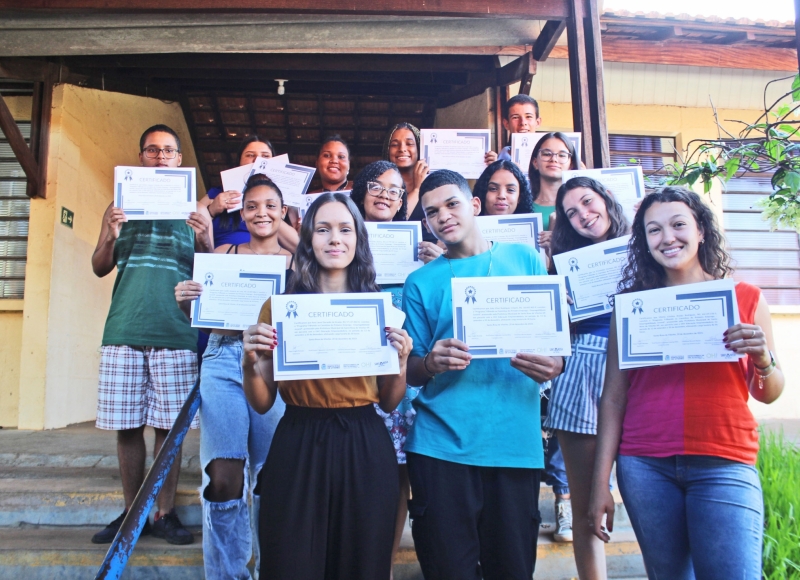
(291, 309)
(573, 265)
(471, 293)
(128, 175)
(209, 279)
(637, 306)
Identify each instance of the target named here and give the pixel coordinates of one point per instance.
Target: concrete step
(58, 496)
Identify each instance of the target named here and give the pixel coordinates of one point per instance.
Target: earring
(702, 241)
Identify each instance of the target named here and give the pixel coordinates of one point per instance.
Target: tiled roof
(698, 19)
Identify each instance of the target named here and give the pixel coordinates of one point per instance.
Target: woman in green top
(551, 156)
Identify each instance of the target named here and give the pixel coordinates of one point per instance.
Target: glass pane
(746, 221)
(24, 128)
(11, 169)
(13, 248)
(755, 241)
(769, 277)
(760, 259)
(784, 297)
(13, 229)
(14, 289)
(13, 188)
(740, 201)
(15, 207)
(12, 269)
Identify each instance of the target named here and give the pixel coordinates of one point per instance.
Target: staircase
(57, 488)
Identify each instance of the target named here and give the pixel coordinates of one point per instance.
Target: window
(14, 212)
(769, 260)
(652, 153)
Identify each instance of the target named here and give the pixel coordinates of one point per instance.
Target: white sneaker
(563, 531)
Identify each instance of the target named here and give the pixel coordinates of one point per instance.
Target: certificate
(235, 287)
(155, 193)
(395, 248)
(677, 324)
(235, 179)
(625, 183)
(520, 228)
(522, 145)
(460, 150)
(293, 180)
(500, 316)
(334, 335)
(592, 276)
(310, 198)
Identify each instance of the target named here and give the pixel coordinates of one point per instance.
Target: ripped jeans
(231, 429)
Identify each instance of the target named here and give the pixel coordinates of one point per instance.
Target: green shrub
(779, 468)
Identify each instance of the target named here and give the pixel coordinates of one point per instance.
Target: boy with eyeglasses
(148, 363)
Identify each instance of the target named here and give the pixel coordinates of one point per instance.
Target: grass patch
(779, 469)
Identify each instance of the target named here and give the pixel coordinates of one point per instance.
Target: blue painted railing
(117, 556)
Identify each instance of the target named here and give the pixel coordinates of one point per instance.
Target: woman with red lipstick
(683, 436)
(586, 214)
(329, 486)
(503, 190)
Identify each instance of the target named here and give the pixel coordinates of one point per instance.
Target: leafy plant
(765, 146)
(779, 470)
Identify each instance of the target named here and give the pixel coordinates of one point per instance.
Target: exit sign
(67, 217)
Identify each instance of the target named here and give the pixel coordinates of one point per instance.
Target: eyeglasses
(153, 152)
(547, 155)
(375, 189)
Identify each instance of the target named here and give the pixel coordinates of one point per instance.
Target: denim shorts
(229, 427)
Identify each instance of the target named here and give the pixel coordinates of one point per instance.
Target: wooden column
(797, 30)
(586, 81)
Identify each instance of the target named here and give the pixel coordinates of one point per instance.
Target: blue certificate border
(726, 298)
(377, 304)
(482, 136)
(532, 222)
(277, 286)
(552, 290)
(574, 309)
(185, 173)
(632, 171)
(309, 173)
(411, 229)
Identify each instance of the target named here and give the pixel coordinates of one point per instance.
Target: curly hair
(565, 238)
(388, 140)
(371, 173)
(643, 272)
(533, 173)
(525, 201)
(360, 272)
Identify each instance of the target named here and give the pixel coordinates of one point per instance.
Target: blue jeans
(230, 429)
(695, 516)
(555, 472)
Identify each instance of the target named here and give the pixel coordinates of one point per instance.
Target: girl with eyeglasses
(329, 486)
(552, 154)
(683, 436)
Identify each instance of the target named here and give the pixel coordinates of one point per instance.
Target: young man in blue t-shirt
(475, 452)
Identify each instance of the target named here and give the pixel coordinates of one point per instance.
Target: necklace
(269, 254)
(488, 272)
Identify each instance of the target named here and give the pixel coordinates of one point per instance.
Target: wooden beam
(548, 38)
(797, 30)
(690, 54)
(540, 10)
(513, 72)
(17, 142)
(597, 94)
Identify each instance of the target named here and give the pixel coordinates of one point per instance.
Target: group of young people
(315, 478)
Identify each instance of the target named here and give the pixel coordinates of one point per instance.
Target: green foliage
(779, 470)
(764, 146)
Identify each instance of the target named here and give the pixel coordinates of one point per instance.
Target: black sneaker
(170, 528)
(107, 534)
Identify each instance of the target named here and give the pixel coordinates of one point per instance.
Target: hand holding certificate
(498, 317)
(460, 150)
(235, 286)
(626, 184)
(520, 228)
(677, 324)
(334, 335)
(593, 273)
(155, 193)
(293, 180)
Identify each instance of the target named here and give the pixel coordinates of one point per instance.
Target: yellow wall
(65, 303)
(11, 317)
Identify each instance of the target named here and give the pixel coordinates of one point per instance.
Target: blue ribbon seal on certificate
(209, 279)
(573, 265)
(291, 309)
(637, 306)
(470, 292)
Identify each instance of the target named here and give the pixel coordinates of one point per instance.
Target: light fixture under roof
(281, 88)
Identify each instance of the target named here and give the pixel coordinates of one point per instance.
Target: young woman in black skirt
(330, 484)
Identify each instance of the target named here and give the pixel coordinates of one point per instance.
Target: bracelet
(767, 370)
(425, 365)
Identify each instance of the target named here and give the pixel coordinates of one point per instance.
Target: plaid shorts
(143, 386)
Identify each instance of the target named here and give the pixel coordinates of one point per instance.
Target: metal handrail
(117, 556)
